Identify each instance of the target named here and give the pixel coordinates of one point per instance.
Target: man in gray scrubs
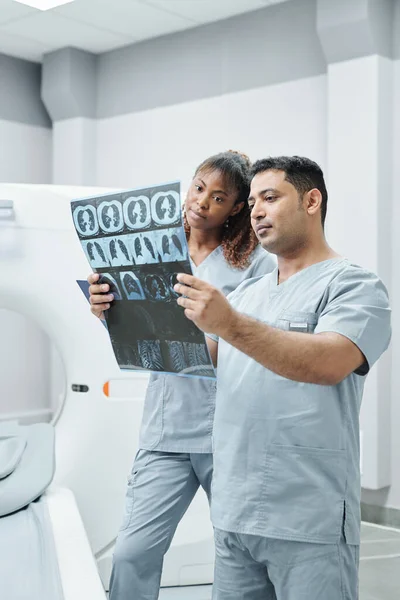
(293, 349)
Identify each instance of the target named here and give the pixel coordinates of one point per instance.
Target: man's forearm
(298, 356)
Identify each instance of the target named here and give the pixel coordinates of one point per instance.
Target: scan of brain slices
(137, 213)
(131, 286)
(166, 207)
(85, 220)
(110, 216)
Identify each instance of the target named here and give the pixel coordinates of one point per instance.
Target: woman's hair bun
(244, 156)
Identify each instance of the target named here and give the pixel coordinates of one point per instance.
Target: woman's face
(210, 201)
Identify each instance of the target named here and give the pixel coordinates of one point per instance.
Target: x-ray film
(136, 241)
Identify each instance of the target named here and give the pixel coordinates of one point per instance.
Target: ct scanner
(97, 425)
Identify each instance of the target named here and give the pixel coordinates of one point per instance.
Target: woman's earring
(226, 224)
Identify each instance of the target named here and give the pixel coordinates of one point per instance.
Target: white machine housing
(96, 435)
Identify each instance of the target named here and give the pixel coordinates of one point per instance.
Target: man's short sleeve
(358, 308)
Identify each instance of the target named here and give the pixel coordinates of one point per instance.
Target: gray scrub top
(179, 411)
(286, 454)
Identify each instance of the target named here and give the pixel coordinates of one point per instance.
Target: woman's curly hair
(238, 238)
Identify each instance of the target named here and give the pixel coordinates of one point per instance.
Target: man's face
(277, 213)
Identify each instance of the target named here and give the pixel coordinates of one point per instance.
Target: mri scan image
(85, 220)
(172, 281)
(145, 322)
(166, 207)
(189, 358)
(119, 252)
(144, 248)
(127, 356)
(150, 355)
(114, 286)
(137, 213)
(136, 241)
(110, 216)
(156, 288)
(131, 286)
(172, 245)
(96, 253)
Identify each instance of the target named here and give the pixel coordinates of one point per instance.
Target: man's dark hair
(304, 174)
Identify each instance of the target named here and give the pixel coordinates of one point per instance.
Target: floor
(380, 563)
(379, 568)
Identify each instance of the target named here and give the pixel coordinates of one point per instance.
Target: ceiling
(102, 25)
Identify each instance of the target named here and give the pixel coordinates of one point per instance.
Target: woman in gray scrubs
(175, 454)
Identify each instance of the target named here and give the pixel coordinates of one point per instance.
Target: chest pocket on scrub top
(301, 322)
